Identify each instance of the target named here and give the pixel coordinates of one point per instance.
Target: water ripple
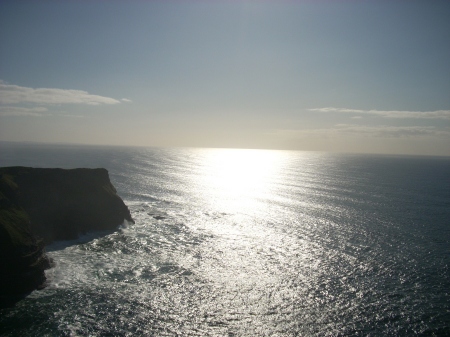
(313, 245)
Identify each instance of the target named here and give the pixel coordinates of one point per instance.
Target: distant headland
(41, 205)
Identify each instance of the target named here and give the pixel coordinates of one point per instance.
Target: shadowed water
(250, 243)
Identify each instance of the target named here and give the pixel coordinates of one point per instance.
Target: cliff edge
(38, 206)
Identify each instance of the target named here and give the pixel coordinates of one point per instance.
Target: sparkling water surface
(249, 243)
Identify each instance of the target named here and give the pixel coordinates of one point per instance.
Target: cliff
(38, 206)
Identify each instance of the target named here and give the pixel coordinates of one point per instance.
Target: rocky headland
(39, 206)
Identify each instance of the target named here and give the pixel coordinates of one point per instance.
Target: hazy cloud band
(20, 111)
(382, 131)
(438, 114)
(13, 94)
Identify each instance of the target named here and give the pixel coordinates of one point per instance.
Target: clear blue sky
(350, 76)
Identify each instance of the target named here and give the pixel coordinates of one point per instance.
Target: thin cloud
(18, 111)
(391, 131)
(13, 94)
(438, 114)
(382, 131)
(126, 100)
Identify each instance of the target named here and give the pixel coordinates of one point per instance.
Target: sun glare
(235, 179)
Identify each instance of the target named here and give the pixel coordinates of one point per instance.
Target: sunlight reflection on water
(254, 243)
(236, 180)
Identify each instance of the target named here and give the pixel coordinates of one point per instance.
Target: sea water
(249, 243)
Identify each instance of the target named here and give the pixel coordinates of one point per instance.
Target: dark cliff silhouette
(38, 206)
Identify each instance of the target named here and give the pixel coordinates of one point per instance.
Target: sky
(340, 76)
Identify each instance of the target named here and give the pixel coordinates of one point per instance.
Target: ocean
(249, 243)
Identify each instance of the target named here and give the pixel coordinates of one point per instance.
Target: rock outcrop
(38, 206)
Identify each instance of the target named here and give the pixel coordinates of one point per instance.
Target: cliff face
(38, 206)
